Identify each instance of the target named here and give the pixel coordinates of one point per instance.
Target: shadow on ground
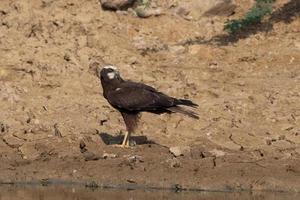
(117, 139)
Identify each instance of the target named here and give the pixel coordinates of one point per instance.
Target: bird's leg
(125, 143)
(130, 120)
(125, 140)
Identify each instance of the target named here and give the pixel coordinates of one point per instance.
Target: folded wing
(139, 98)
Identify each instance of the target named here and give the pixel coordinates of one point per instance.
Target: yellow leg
(126, 141)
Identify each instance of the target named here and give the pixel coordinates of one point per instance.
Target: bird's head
(109, 74)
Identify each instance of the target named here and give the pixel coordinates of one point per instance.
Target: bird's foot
(131, 143)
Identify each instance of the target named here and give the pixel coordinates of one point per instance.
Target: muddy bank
(153, 166)
(71, 192)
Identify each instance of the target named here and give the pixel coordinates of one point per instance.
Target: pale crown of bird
(111, 67)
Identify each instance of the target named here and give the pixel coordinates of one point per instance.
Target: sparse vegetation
(254, 16)
(145, 3)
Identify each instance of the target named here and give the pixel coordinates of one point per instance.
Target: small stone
(88, 156)
(116, 4)
(122, 12)
(58, 130)
(204, 52)
(81, 41)
(188, 18)
(287, 127)
(67, 58)
(217, 153)
(109, 155)
(297, 45)
(82, 146)
(146, 44)
(133, 60)
(36, 121)
(222, 8)
(194, 49)
(180, 150)
(13, 141)
(135, 159)
(174, 163)
(29, 152)
(182, 11)
(281, 137)
(147, 12)
(268, 141)
(131, 181)
(3, 73)
(3, 128)
(177, 49)
(198, 9)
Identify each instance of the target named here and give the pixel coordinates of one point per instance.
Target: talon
(130, 143)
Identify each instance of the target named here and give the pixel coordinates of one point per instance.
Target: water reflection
(80, 193)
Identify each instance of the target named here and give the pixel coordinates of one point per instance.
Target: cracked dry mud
(248, 134)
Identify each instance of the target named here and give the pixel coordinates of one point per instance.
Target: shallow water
(81, 193)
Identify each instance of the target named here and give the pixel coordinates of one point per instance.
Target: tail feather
(186, 102)
(184, 111)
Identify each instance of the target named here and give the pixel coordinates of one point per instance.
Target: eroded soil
(248, 89)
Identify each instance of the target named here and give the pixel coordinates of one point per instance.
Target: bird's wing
(138, 98)
(139, 85)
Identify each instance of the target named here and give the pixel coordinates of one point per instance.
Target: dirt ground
(55, 123)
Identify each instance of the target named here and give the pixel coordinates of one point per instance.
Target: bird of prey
(131, 98)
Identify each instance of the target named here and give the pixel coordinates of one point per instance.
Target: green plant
(254, 16)
(145, 3)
